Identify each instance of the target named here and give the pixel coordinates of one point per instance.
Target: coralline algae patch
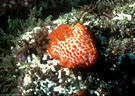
(49, 79)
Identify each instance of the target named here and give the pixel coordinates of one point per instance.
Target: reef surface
(37, 73)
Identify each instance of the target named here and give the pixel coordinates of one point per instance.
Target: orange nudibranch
(73, 46)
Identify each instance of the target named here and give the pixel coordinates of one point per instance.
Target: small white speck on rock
(79, 78)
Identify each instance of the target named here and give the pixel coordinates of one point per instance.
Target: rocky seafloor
(113, 26)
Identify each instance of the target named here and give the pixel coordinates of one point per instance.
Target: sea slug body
(73, 46)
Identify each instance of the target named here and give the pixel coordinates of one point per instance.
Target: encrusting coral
(73, 46)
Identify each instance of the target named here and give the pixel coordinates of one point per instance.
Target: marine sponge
(73, 46)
